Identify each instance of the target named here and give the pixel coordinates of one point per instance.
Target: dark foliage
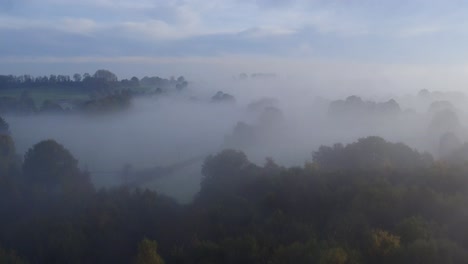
(368, 202)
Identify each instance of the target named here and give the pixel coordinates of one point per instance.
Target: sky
(41, 36)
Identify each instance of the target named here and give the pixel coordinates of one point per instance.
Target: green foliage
(383, 244)
(148, 253)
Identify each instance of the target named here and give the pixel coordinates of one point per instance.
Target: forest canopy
(371, 201)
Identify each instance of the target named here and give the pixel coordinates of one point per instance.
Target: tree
(106, 75)
(135, 82)
(77, 77)
(370, 153)
(225, 173)
(49, 167)
(181, 83)
(224, 165)
(222, 97)
(53, 78)
(383, 244)
(148, 253)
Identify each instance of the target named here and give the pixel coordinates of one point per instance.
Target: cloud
(173, 19)
(333, 29)
(417, 31)
(66, 24)
(331, 22)
(184, 23)
(258, 32)
(78, 25)
(154, 29)
(107, 4)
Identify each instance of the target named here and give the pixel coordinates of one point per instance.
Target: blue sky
(387, 31)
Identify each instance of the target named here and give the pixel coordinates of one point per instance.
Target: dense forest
(371, 201)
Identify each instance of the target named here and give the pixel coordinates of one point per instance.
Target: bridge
(135, 178)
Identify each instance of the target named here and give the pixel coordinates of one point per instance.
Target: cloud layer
(387, 31)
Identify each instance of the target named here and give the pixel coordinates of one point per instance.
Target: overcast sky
(72, 34)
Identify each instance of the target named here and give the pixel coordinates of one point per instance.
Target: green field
(39, 95)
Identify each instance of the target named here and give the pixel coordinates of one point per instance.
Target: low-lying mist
(266, 118)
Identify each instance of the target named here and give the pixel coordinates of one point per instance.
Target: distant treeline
(354, 105)
(100, 92)
(100, 79)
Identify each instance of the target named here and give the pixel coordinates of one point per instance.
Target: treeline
(386, 204)
(100, 92)
(101, 79)
(354, 105)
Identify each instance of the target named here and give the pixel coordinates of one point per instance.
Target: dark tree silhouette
(49, 167)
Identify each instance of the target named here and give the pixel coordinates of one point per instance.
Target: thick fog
(271, 116)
